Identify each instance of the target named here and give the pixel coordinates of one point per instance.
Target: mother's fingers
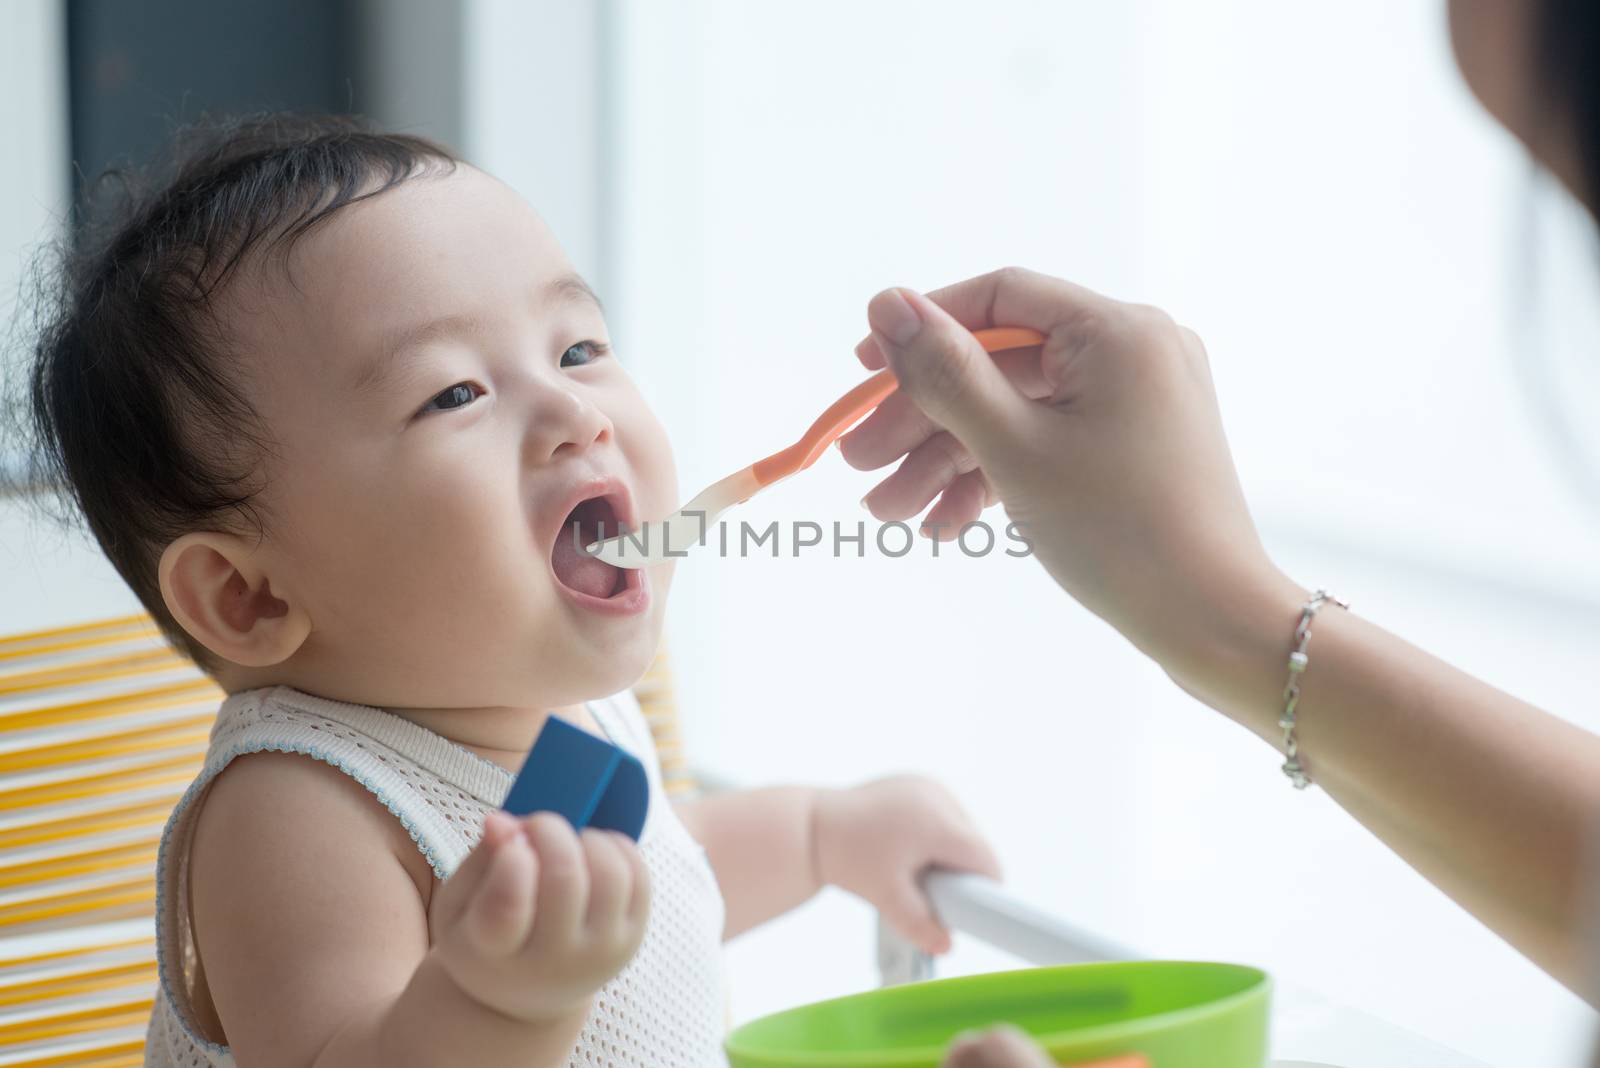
(870, 355)
(893, 429)
(961, 502)
(898, 425)
(927, 470)
(1011, 296)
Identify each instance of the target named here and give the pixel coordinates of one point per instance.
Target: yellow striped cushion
(102, 726)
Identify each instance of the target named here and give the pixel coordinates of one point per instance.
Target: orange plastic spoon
(854, 406)
(672, 536)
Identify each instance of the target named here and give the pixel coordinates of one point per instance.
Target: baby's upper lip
(580, 489)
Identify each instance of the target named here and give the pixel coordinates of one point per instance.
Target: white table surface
(1309, 1030)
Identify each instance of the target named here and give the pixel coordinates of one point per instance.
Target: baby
(331, 400)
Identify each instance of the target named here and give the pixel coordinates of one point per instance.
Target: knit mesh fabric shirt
(666, 1008)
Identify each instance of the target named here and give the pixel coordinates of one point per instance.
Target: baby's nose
(564, 420)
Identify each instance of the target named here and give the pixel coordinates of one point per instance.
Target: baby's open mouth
(575, 569)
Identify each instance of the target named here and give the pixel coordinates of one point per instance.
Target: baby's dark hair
(134, 397)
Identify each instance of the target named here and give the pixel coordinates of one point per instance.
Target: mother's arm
(1109, 452)
(1490, 798)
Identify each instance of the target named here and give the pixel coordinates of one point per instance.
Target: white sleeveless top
(665, 1008)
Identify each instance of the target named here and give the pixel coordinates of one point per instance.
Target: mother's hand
(1004, 1047)
(1105, 446)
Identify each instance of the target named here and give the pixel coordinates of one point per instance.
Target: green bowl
(1179, 1014)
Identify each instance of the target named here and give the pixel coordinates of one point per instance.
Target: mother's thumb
(947, 373)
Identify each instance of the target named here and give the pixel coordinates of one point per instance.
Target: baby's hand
(538, 917)
(875, 840)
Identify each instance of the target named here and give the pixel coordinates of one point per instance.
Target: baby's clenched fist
(539, 917)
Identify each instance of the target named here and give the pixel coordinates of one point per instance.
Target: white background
(1310, 187)
(1313, 191)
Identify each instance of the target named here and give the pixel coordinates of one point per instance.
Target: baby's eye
(457, 396)
(585, 352)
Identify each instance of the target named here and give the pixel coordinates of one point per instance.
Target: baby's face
(439, 387)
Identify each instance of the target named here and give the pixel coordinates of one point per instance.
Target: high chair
(102, 727)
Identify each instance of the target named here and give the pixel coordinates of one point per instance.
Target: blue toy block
(583, 778)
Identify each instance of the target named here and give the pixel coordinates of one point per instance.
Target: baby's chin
(606, 664)
(616, 673)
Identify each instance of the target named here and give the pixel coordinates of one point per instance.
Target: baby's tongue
(580, 571)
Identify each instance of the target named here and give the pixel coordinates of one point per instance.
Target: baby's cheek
(465, 528)
(456, 583)
(423, 537)
(650, 453)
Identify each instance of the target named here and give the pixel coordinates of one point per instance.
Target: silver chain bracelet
(1291, 692)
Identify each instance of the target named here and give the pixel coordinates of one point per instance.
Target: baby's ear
(219, 592)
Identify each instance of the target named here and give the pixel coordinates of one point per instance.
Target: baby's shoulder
(293, 809)
(299, 911)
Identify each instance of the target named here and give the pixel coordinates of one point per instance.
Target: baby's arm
(759, 845)
(773, 848)
(315, 937)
